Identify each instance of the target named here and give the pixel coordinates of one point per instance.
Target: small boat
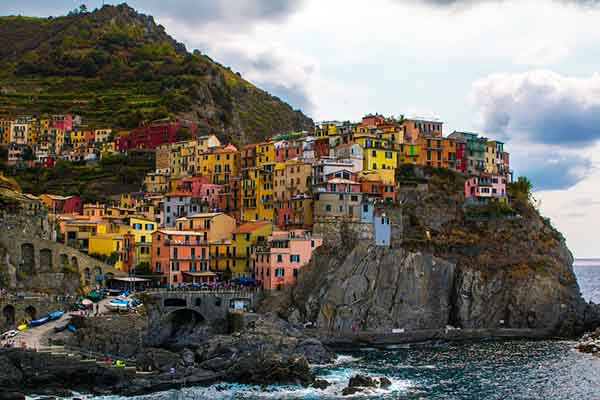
(39, 321)
(95, 296)
(114, 307)
(56, 315)
(60, 328)
(22, 327)
(71, 328)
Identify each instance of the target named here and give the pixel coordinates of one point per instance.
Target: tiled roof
(251, 226)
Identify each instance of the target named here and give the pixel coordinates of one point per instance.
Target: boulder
(384, 382)
(362, 381)
(321, 384)
(349, 391)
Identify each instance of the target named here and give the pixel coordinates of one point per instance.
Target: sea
(479, 370)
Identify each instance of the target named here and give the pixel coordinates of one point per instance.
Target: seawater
(483, 370)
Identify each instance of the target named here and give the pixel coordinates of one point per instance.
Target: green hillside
(117, 67)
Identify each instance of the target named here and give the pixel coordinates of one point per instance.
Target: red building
(287, 149)
(461, 157)
(154, 134)
(72, 205)
(322, 147)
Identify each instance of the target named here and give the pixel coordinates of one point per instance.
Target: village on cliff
(212, 212)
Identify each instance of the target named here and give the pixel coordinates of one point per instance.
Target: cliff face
(446, 268)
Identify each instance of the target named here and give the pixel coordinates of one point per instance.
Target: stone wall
(15, 310)
(34, 263)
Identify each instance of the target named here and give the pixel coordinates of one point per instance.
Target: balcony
(169, 242)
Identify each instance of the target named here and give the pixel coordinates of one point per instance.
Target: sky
(526, 72)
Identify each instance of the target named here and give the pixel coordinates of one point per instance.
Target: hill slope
(118, 67)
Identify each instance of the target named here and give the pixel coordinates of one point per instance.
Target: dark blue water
(491, 370)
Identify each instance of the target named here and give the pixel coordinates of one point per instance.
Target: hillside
(115, 66)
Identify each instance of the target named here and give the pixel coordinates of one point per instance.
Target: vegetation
(521, 189)
(117, 67)
(493, 209)
(110, 260)
(92, 182)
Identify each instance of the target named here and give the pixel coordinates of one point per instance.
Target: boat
(39, 321)
(60, 328)
(56, 315)
(95, 296)
(22, 327)
(71, 328)
(118, 306)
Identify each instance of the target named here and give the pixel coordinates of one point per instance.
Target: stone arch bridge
(45, 264)
(210, 305)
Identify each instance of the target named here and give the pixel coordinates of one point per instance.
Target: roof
(251, 226)
(56, 197)
(174, 232)
(203, 215)
(175, 194)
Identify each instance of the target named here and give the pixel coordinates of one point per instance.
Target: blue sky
(523, 71)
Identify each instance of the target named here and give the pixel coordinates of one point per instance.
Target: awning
(130, 279)
(207, 273)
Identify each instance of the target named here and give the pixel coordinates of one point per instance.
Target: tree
(521, 189)
(83, 9)
(28, 154)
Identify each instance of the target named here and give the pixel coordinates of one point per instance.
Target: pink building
(64, 122)
(480, 189)
(181, 257)
(278, 262)
(338, 185)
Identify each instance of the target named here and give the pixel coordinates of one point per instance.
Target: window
(143, 239)
(295, 258)
(157, 266)
(374, 165)
(279, 258)
(158, 251)
(295, 272)
(328, 207)
(279, 272)
(150, 227)
(388, 155)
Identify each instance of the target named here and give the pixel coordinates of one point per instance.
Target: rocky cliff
(491, 268)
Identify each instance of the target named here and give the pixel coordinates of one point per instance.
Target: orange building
(181, 256)
(413, 128)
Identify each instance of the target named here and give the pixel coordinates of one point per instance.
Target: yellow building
(264, 195)
(326, 129)
(410, 154)
(108, 244)
(102, 135)
(142, 230)
(244, 239)
(207, 142)
(214, 226)
(249, 190)
(97, 210)
(220, 164)
(78, 232)
(265, 155)
(107, 149)
(5, 131)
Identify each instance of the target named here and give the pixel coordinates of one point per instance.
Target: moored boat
(22, 327)
(56, 315)
(39, 321)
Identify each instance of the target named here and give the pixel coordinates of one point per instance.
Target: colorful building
(180, 257)
(279, 261)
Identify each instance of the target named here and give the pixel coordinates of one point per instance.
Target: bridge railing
(245, 291)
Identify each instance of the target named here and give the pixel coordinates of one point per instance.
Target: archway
(31, 312)
(75, 263)
(186, 326)
(64, 261)
(28, 257)
(9, 314)
(45, 260)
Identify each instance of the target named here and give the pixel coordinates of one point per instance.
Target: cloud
(236, 14)
(540, 106)
(458, 3)
(557, 174)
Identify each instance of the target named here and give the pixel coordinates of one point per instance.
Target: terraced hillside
(118, 67)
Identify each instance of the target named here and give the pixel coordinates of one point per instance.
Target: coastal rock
(349, 391)
(384, 382)
(362, 381)
(321, 384)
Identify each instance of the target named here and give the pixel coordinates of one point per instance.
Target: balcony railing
(170, 242)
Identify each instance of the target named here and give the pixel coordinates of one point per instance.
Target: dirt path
(37, 337)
